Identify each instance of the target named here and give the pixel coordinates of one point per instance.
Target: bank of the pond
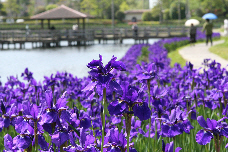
(221, 49)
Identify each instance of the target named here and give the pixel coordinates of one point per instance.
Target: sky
(152, 3)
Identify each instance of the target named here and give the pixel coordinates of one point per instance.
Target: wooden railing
(89, 34)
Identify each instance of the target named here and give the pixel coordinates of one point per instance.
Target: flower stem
(35, 135)
(103, 119)
(128, 128)
(156, 136)
(148, 86)
(221, 108)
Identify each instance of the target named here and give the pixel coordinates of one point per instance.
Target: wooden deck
(52, 38)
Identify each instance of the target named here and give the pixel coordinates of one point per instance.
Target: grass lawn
(221, 49)
(176, 57)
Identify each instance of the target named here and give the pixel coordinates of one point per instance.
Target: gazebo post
(83, 20)
(48, 23)
(78, 22)
(42, 23)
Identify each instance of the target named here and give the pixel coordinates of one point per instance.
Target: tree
(124, 6)
(147, 16)
(174, 10)
(108, 11)
(40, 9)
(12, 8)
(31, 8)
(51, 6)
(2, 10)
(89, 6)
(166, 14)
(120, 16)
(156, 12)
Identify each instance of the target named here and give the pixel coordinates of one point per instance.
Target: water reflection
(44, 62)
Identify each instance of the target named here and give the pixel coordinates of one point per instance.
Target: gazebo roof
(61, 12)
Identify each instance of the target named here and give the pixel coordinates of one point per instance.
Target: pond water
(44, 62)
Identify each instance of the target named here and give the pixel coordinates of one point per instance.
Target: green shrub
(147, 16)
(120, 15)
(144, 56)
(173, 46)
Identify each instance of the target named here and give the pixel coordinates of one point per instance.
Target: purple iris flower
(51, 110)
(27, 75)
(102, 76)
(147, 71)
(169, 147)
(116, 141)
(8, 142)
(212, 129)
(78, 120)
(86, 142)
(175, 124)
(22, 141)
(130, 99)
(60, 137)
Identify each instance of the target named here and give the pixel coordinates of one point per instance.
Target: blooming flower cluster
(120, 107)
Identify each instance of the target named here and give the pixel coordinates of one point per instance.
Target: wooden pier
(52, 38)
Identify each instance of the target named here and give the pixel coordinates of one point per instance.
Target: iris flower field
(120, 107)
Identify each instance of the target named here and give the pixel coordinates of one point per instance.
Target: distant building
(134, 15)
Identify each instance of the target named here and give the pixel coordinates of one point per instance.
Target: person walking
(208, 26)
(192, 33)
(135, 29)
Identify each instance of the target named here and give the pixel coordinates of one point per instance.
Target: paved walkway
(196, 54)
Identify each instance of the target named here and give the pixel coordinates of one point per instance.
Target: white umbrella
(191, 21)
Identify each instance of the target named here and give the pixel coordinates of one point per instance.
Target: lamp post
(179, 11)
(113, 14)
(161, 14)
(188, 15)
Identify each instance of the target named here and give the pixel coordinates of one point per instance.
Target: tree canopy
(102, 8)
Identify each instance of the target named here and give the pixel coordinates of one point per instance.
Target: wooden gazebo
(61, 12)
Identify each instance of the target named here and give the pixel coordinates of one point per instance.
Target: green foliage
(175, 45)
(108, 11)
(175, 57)
(166, 14)
(89, 6)
(12, 8)
(147, 16)
(198, 12)
(221, 49)
(156, 12)
(40, 9)
(50, 6)
(144, 56)
(174, 10)
(102, 9)
(2, 10)
(124, 6)
(120, 15)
